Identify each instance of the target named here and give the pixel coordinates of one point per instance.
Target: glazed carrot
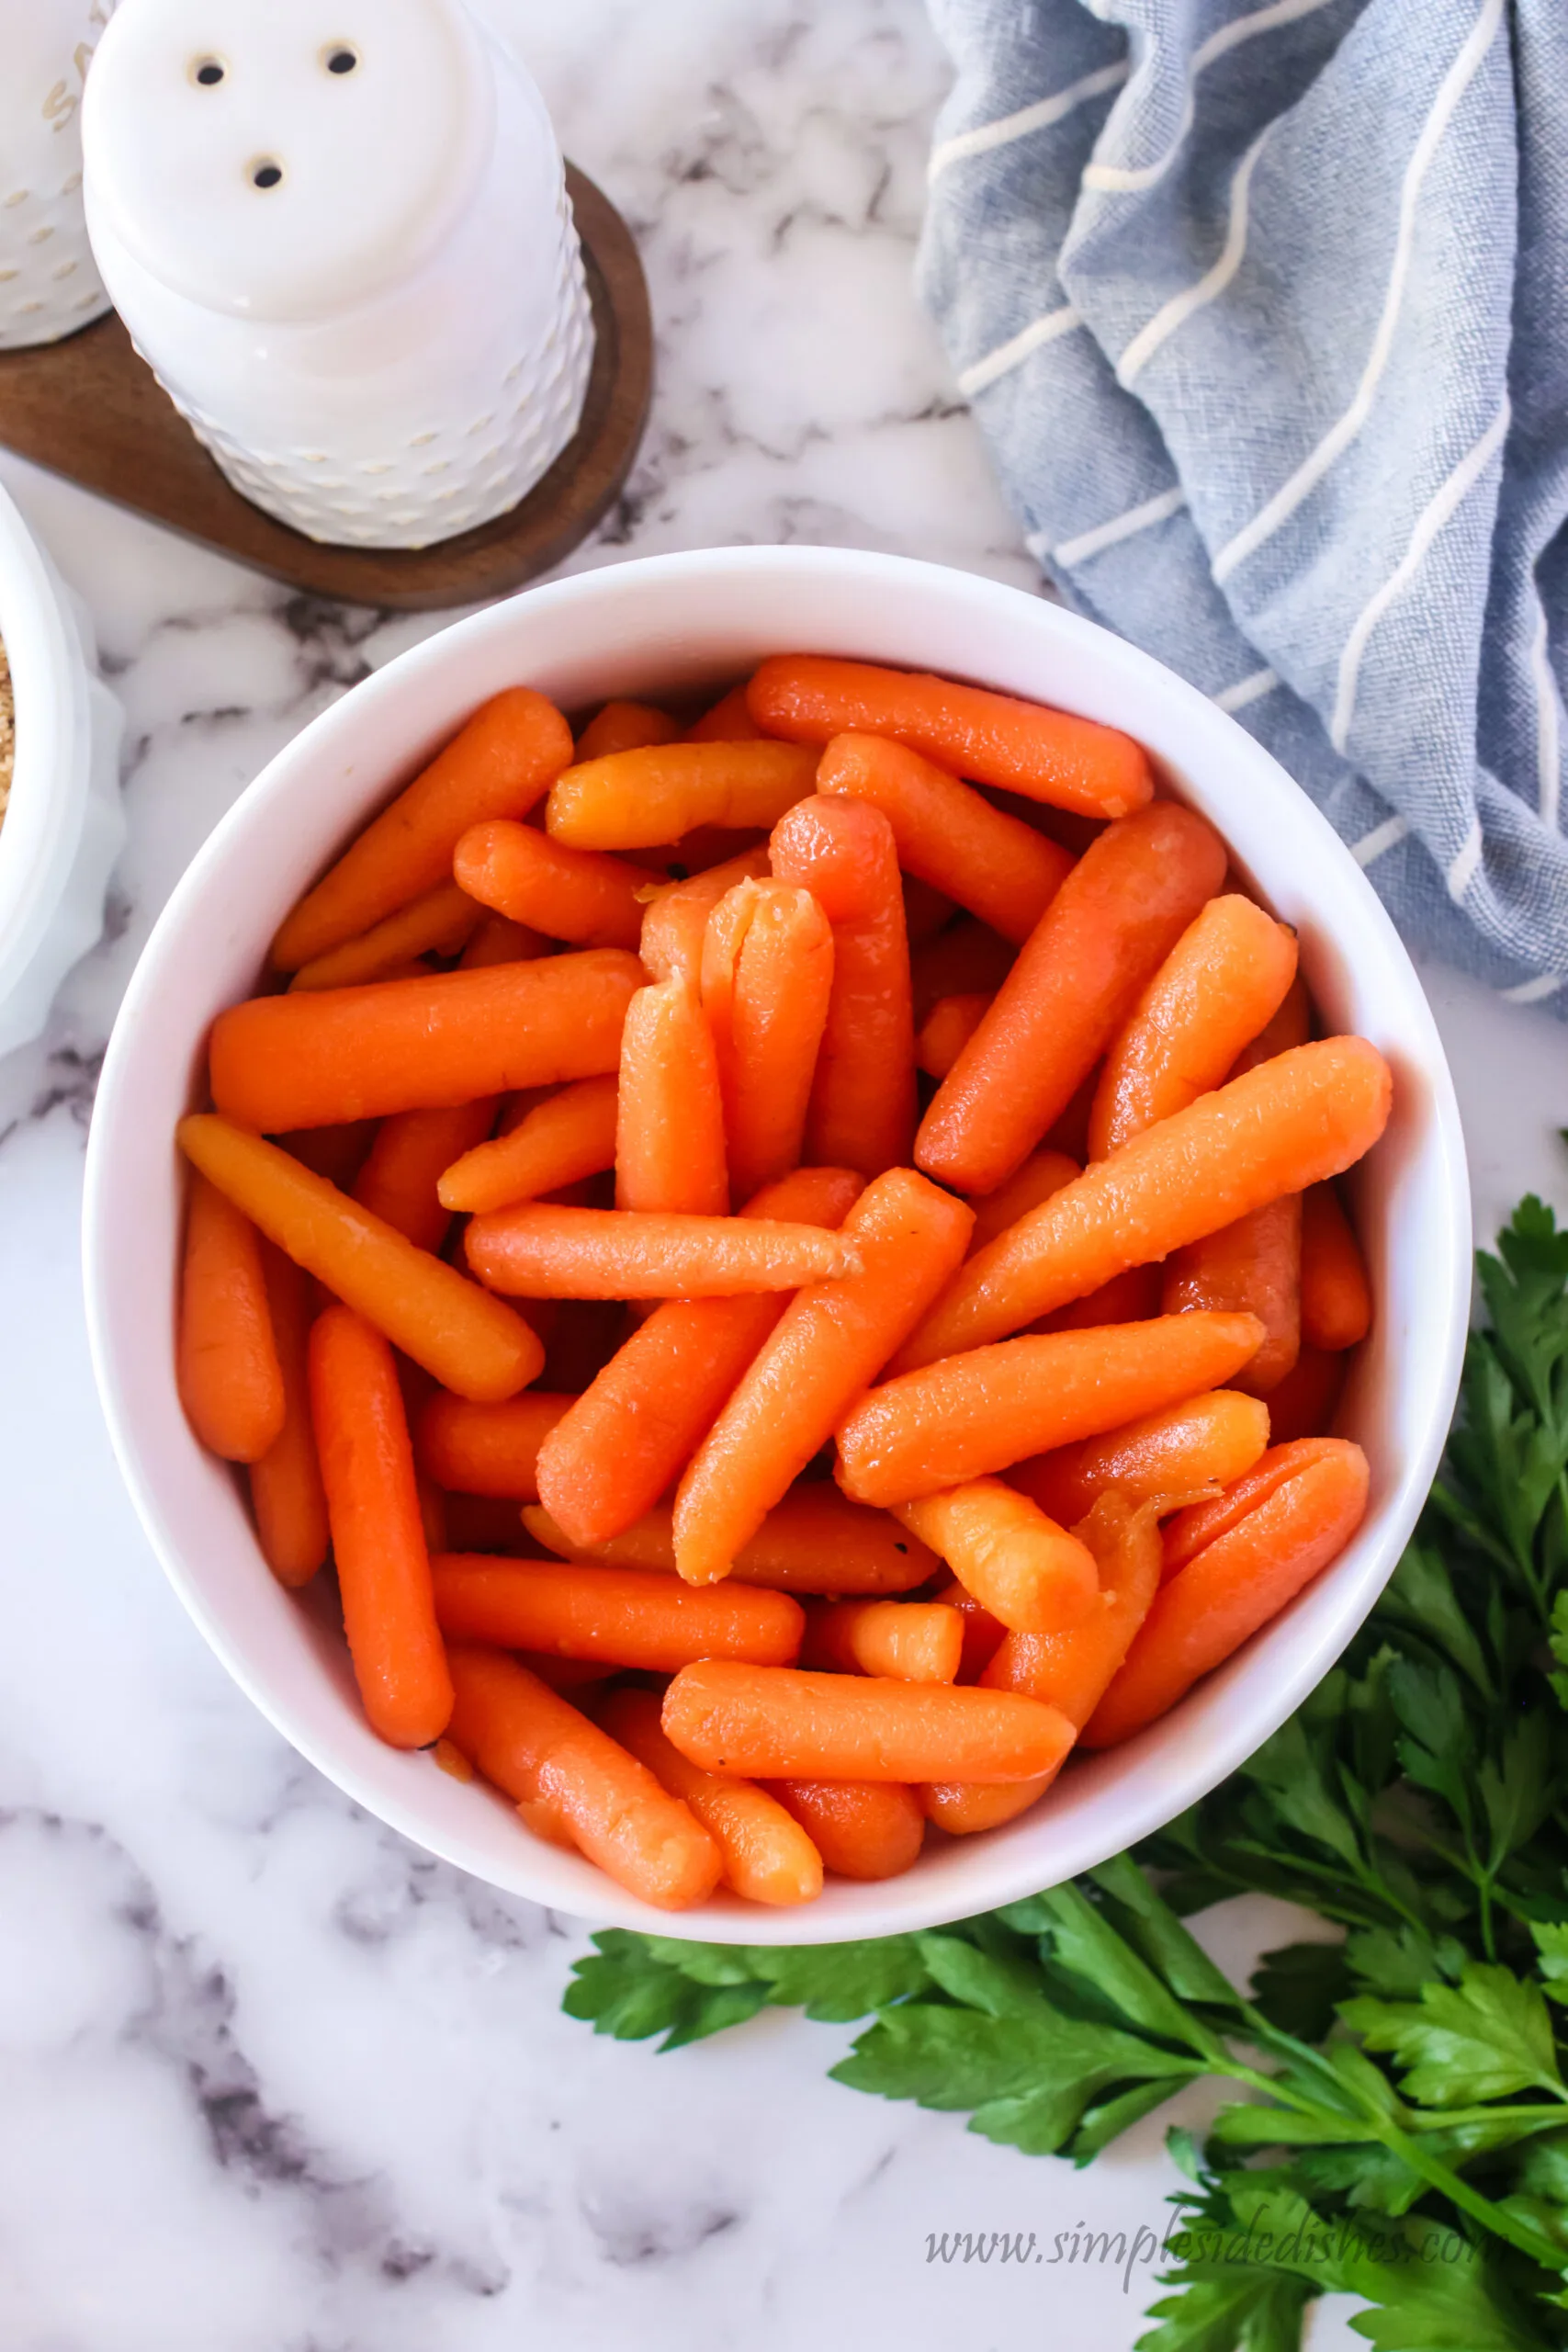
(336, 1153)
(571, 894)
(862, 1098)
(949, 1026)
(677, 916)
(1132, 1297)
(499, 940)
(670, 1122)
(767, 975)
(1069, 1133)
(776, 1722)
(1186, 1534)
(624, 727)
(535, 1252)
(634, 1430)
(926, 912)
(861, 1829)
(383, 1567)
(1251, 1267)
(983, 1634)
(1043, 1173)
(620, 1617)
(487, 1449)
(230, 1381)
(1304, 1115)
(470, 1342)
(1220, 984)
(830, 1342)
(950, 835)
(286, 1493)
(1109, 927)
(317, 1060)
(1337, 1299)
(1234, 1586)
(640, 799)
(969, 1415)
(1307, 1398)
(567, 1136)
(767, 1855)
(1021, 1566)
(399, 1182)
(440, 923)
(533, 1744)
(1043, 753)
(1207, 1440)
(908, 1641)
(815, 1541)
(728, 721)
(966, 959)
(499, 765)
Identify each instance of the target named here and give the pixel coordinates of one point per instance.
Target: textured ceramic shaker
(338, 231)
(49, 285)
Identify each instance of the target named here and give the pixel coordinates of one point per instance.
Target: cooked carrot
(538, 1747)
(640, 799)
(777, 1723)
(1337, 1299)
(286, 1493)
(567, 1136)
(815, 1541)
(1252, 1267)
(470, 1342)
(572, 893)
(1223, 981)
(1207, 1440)
(983, 1634)
(230, 1380)
(432, 1510)
(862, 1099)
(499, 765)
(624, 727)
(1069, 1132)
(441, 923)
(1306, 1400)
(1304, 1115)
(399, 1180)
(1043, 1173)
(950, 835)
(621, 1617)
(487, 1449)
(830, 1342)
(677, 915)
(969, 1415)
(1186, 1534)
(1043, 753)
(952, 1021)
(726, 721)
(670, 1122)
(317, 1060)
(926, 912)
(768, 1857)
(336, 1153)
(1232, 1587)
(1109, 927)
(861, 1829)
(499, 940)
(1020, 1565)
(908, 1641)
(966, 959)
(537, 1253)
(767, 975)
(1132, 1297)
(383, 1566)
(632, 1432)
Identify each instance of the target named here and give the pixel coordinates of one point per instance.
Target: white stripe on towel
(1386, 836)
(1462, 872)
(1008, 355)
(1119, 179)
(1547, 747)
(1121, 526)
(1038, 117)
(1245, 690)
(1181, 307)
(1533, 991)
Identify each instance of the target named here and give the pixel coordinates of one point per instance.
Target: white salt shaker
(338, 231)
(49, 285)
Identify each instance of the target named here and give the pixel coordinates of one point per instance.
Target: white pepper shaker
(49, 285)
(338, 231)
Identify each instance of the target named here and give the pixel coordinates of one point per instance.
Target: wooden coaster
(90, 409)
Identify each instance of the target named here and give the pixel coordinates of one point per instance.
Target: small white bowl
(670, 625)
(65, 825)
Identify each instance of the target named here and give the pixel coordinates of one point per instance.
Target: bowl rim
(323, 745)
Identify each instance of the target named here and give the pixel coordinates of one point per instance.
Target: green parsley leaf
(1486, 2038)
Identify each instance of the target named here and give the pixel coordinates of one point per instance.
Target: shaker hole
(209, 72)
(340, 57)
(266, 174)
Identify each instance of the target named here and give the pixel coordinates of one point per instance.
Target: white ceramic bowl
(673, 624)
(65, 825)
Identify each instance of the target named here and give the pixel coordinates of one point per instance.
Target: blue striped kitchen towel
(1264, 312)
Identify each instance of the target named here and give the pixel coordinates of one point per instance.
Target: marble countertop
(270, 2079)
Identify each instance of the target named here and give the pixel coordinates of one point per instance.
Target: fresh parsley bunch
(1400, 2128)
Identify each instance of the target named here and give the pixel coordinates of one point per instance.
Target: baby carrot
(487, 1449)
(624, 727)
(861, 1829)
(1184, 1535)
(399, 1180)
(1304, 1115)
(669, 1120)
(1043, 1173)
(443, 920)
(966, 959)
(286, 1493)
(983, 1634)
(1251, 1267)
(569, 1135)
(1021, 1566)
(950, 835)
(640, 799)
(1109, 927)
(469, 1341)
(815, 1541)
(926, 912)
(726, 721)
(1207, 1440)
(776, 1722)
(1337, 1299)
(499, 940)
(536, 1745)
(677, 915)
(573, 894)
(767, 1855)
(969, 1415)
(1132, 1297)
(831, 1341)
(534, 1252)
(499, 765)
(383, 1567)
(1234, 1586)
(1307, 1398)
(336, 1153)
(949, 1026)
(910, 1641)
(862, 1098)
(1041, 753)
(621, 1617)
(230, 1380)
(1223, 981)
(767, 975)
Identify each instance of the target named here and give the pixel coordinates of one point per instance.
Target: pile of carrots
(792, 1263)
